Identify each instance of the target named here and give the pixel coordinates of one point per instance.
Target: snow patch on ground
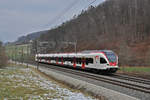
(38, 86)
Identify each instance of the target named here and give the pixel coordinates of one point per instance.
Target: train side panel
(97, 61)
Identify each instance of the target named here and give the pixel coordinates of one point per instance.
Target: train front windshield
(111, 56)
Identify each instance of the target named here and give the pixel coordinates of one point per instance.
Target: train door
(97, 61)
(103, 62)
(83, 63)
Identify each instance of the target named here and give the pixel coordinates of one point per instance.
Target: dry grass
(24, 83)
(70, 86)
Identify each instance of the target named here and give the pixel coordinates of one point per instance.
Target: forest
(119, 25)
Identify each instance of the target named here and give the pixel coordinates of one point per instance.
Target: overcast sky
(21, 17)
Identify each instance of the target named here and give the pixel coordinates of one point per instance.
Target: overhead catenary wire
(57, 17)
(52, 23)
(90, 4)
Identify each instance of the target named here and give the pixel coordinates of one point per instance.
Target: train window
(42, 57)
(71, 59)
(86, 61)
(68, 59)
(89, 60)
(59, 59)
(78, 60)
(52, 58)
(65, 59)
(103, 61)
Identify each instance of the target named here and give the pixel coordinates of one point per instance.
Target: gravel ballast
(79, 83)
(111, 92)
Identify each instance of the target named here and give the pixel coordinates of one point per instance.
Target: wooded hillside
(120, 25)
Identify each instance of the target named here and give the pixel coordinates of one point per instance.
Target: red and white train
(105, 61)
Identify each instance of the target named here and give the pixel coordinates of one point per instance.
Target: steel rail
(98, 78)
(103, 79)
(131, 78)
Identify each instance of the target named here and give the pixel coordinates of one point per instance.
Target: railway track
(133, 83)
(131, 78)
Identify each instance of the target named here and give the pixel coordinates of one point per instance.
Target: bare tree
(114, 24)
(3, 58)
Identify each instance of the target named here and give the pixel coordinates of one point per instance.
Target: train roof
(95, 51)
(83, 53)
